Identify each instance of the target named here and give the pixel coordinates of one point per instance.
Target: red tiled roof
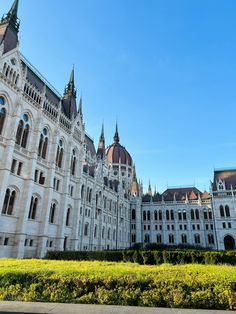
(118, 154)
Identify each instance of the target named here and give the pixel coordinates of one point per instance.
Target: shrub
(183, 286)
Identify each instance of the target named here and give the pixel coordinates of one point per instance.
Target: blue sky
(166, 69)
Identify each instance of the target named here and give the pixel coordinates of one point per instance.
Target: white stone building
(57, 192)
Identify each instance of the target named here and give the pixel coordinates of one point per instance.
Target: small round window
(2, 101)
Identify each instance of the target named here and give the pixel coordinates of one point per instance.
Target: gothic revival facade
(57, 192)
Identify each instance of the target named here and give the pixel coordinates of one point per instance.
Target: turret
(101, 145)
(69, 97)
(9, 28)
(134, 186)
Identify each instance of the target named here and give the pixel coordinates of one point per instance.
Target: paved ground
(59, 308)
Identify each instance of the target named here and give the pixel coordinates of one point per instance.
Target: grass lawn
(187, 286)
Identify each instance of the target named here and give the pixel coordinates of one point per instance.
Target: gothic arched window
(9, 201)
(222, 212)
(192, 214)
(197, 214)
(197, 239)
(167, 215)
(2, 113)
(144, 215)
(59, 156)
(68, 217)
(33, 207)
(52, 213)
(227, 212)
(133, 214)
(23, 131)
(95, 231)
(73, 162)
(43, 144)
(184, 238)
(86, 229)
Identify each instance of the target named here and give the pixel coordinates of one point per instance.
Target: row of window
(170, 215)
(95, 232)
(9, 201)
(183, 238)
(22, 135)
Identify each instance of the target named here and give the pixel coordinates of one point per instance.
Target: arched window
(95, 231)
(43, 144)
(33, 207)
(148, 215)
(82, 192)
(211, 239)
(9, 201)
(108, 234)
(192, 214)
(227, 212)
(2, 113)
(222, 212)
(144, 215)
(158, 238)
(146, 238)
(59, 156)
(23, 131)
(180, 215)
(210, 214)
(220, 185)
(86, 229)
(73, 162)
(103, 232)
(68, 217)
(155, 215)
(160, 215)
(167, 215)
(133, 237)
(52, 213)
(184, 215)
(205, 214)
(133, 214)
(184, 238)
(171, 238)
(90, 196)
(172, 217)
(197, 239)
(197, 214)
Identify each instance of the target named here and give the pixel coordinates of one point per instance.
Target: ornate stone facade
(58, 193)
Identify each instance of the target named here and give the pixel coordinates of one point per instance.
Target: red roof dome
(117, 153)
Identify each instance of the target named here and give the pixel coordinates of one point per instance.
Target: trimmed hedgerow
(149, 257)
(185, 286)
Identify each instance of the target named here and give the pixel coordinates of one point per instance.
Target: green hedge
(180, 286)
(149, 257)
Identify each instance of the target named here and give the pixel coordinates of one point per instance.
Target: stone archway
(229, 242)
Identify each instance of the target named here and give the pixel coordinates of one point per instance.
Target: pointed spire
(101, 144)
(149, 188)
(70, 87)
(69, 98)
(135, 185)
(11, 16)
(134, 173)
(80, 110)
(102, 137)
(116, 136)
